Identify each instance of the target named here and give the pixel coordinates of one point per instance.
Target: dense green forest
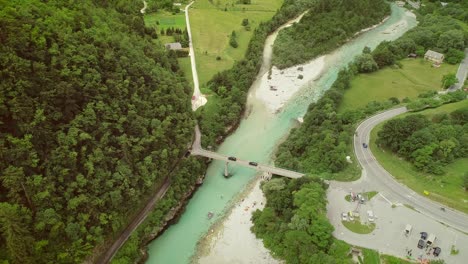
(456, 9)
(327, 25)
(428, 144)
(93, 117)
(294, 225)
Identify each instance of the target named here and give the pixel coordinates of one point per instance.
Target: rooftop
(434, 54)
(173, 46)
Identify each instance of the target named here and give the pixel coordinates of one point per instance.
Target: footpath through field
(198, 99)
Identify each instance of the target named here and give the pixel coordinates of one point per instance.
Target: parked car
(362, 200)
(408, 229)
(437, 251)
(344, 217)
(370, 216)
(364, 145)
(232, 158)
(421, 243)
(423, 235)
(253, 163)
(351, 217)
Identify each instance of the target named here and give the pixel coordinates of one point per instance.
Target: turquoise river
(256, 139)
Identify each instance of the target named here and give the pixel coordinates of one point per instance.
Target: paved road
(376, 176)
(198, 98)
(461, 73)
(109, 254)
(197, 150)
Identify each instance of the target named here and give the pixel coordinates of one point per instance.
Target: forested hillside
(93, 116)
(327, 25)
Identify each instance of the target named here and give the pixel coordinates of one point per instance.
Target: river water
(256, 138)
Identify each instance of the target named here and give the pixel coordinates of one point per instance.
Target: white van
(431, 239)
(370, 216)
(408, 229)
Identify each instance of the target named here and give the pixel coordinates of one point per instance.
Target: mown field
(186, 67)
(415, 77)
(164, 19)
(447, 188)
(211, 28)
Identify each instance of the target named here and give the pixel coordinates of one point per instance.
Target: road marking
(386, 199)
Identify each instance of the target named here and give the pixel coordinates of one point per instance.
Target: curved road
(461, 74)
(375, 175)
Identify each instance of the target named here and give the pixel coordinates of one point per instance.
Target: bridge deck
(245, 163)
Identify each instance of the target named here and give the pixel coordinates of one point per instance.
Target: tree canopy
(428, 145)
(294, 225)
(327, 25)
(93, 116)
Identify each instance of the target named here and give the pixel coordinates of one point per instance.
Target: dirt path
(145, 5)
(198, 99)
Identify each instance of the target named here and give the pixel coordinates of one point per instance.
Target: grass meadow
(415, 77)
(211, 28)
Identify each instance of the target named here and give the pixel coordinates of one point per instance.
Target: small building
(173, 46)
(433, 56)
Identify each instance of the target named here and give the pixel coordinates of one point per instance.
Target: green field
(211, 27)
(186, 67)
(165, 20)
(387, 259)
(368, 195)
(356, 227)
(415, 77)
(370, 256)
(447, 188)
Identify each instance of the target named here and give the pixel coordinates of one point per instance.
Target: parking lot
(389, 235)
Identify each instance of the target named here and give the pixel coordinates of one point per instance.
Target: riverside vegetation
(319, 145)
(93, 118)
(327, 26)
(231, 86)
